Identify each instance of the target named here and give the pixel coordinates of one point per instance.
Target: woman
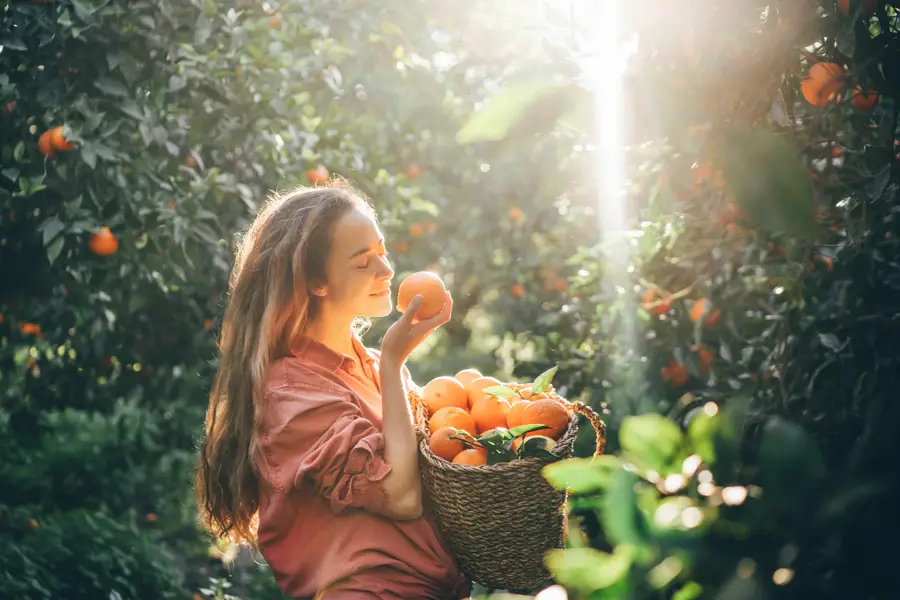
(310, 447)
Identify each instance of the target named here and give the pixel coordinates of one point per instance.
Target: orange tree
(756, 311)
(137, 139)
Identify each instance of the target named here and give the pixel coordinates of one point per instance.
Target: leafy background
(739, 336)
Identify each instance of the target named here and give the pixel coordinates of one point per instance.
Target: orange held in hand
(442, 392)
(547, 412)
(490, 412)
(444, 444)
(429, 286)
(473, 456)
(103, 243)
(452, 416)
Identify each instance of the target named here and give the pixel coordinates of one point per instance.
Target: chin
(381, 307)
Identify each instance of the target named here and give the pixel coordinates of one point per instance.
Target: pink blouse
(322, 527)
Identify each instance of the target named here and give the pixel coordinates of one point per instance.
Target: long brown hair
(281, 256)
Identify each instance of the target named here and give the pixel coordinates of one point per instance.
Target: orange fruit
(865, 7)
(516, 214)
(443, 443)
(275, 23)
(444, 391)
(702, 307)
(473, 456)
(467, 376)
(706, 357)
(475, 389)
(45, 146)
(822, 83)
(30, 329)
(702, 174)
(413, 171)
(674, 373)
(864, 101)
(400, 247)
(103, 242)
(489, 413)
(317, 176)
(416, 230)
(516, 415)
(58, 140)
(517, 290)
(452, 416)
(650, 297)
(430, 286)
(546, 412)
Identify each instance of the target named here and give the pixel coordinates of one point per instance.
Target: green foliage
(750, 302)
(185, 114)
(672, 530)
(81, 554)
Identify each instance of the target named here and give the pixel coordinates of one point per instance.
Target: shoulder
(291, 372)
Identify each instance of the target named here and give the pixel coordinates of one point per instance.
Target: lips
(382, 293)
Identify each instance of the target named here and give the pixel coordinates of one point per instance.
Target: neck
(334, 332)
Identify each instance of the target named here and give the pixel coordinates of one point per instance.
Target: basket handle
(596, 422)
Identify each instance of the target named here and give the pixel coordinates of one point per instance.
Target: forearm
(403, 484)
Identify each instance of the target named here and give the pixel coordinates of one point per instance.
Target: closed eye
(383, 254)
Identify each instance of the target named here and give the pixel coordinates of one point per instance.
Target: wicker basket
(499, 520)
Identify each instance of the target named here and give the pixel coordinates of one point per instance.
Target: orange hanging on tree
(58, 140)
(675, 374)
(317, 176)
(701, 308)
(103, 243)
(863, 100)
(822, 83)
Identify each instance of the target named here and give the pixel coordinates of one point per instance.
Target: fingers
(412, 309)
(440, 318)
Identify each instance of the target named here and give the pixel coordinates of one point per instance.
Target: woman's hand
(407, 333)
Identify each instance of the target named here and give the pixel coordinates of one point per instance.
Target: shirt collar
(317, 352)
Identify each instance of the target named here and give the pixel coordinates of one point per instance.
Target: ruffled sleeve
(316, 436)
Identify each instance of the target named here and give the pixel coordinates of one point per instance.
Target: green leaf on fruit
(542, 383)
(523, 429)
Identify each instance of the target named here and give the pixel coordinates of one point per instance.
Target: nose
(385, 272)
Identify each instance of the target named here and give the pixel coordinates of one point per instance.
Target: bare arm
(403, 484)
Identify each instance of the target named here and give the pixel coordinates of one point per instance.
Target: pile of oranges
(477, 420)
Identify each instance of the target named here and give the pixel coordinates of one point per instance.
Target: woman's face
(358, 274)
